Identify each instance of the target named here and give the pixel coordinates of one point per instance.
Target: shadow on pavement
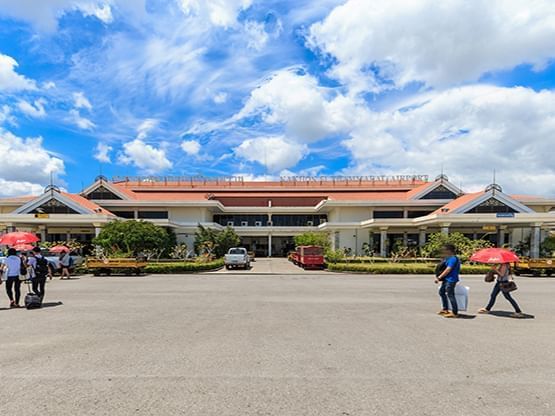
(466, 316)
(52, 304)
(505, 314)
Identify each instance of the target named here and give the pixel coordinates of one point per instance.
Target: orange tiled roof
(457, 203)
(88, 204)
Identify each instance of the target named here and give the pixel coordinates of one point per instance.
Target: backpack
(33, 301)
(41, 269)
(22, 268)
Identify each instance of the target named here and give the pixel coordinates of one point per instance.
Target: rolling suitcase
(32, 300)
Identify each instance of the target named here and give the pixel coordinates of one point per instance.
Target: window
(491, 206)
(53, 207)
(298, 220)
(388, 214)
(124, 214)
(246, 220)
(416, 214)
(102, 193)
(153, 215)
(441, 192)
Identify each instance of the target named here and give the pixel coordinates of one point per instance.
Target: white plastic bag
(461, 294)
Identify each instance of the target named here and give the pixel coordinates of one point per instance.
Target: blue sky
(269, 88)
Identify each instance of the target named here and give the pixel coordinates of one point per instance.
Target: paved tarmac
(272, 266)
(311, 344)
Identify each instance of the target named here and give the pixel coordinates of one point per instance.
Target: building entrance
(280, 245)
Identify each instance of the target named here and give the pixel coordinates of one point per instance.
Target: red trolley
(309, 257)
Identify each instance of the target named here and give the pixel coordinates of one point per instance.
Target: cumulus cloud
(439, 44)
(26, 165)
(191, 147)
(275, 153)
(296, 101)
(10, 80)
(146, 157)
(35, 109)
(102, 153)
(470, 131)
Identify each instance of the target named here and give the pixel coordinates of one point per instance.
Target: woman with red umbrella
(501, 260)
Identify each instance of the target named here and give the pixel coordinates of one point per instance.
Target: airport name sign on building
(375, 210)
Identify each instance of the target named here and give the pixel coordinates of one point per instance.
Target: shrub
(400, 268)
(313, 238)
(214, 243)
(465, 246)
(183, 267)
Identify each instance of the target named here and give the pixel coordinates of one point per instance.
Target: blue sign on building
(505, 215)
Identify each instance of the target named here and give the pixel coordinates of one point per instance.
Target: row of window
(277, 220)
(143, 215)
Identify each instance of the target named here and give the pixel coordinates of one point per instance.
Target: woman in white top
(65, 260)
(12, 270)
(503, 273)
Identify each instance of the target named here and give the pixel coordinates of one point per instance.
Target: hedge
(183, 267)
(399, 268)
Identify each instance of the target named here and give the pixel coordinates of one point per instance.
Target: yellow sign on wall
(42, 215)
(489, 228)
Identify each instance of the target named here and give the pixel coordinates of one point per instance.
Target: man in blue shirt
(449, 277)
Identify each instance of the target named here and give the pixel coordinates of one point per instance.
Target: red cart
(309, 257)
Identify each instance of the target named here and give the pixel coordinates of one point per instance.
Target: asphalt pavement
(306, 344)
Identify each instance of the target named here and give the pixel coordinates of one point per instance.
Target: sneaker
(483, 311)
(518, 315)
(12, 304)
(450, 315)
(443, 312)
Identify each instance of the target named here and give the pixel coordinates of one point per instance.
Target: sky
(270, 88)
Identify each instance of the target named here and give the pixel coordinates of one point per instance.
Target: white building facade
(357, 212)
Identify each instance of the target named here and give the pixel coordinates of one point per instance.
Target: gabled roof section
(469, 202)
(74, 204)
(440, 189)
(101, 189)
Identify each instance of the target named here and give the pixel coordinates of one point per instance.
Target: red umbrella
(58, 249)
(494, 256)
(18, 237)
(23, 247)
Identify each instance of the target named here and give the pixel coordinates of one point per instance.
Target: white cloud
(275, 153)
(80, 121)
(296, 101)
(102, 153)
(26, 165)
(440, 45)
(80, 101)
(219, 12)
(191, 147)
(10, 80)
(146, 127)
(470, 131)
(44, 14)
(5, 114)
(144, 156)
(35, 109)
(220, 98)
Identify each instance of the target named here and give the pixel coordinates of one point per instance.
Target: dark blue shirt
(454, 263)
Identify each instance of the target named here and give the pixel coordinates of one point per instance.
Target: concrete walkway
(270, 266)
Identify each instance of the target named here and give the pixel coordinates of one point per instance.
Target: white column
(383, 242)
(535, 241)
(501, 236)
(445, 229)
(270, 245)
(422, 237)
(97, 231)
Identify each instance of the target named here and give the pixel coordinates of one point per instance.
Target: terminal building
(355, 211)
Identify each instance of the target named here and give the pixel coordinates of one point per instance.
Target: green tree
(465, 246)
(215, 242)
(314, 238)
(129, 238)
(548, 247)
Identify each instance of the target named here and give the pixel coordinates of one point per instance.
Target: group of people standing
(448, 274)
(16, 269)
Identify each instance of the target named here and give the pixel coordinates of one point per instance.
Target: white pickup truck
(237, 257)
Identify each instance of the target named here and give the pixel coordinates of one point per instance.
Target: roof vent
(494, 187)
(442, 177)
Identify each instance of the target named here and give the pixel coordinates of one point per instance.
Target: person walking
(503, 277)
(448, 275)
(13, 267)
(65, 263)
(39, 269)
